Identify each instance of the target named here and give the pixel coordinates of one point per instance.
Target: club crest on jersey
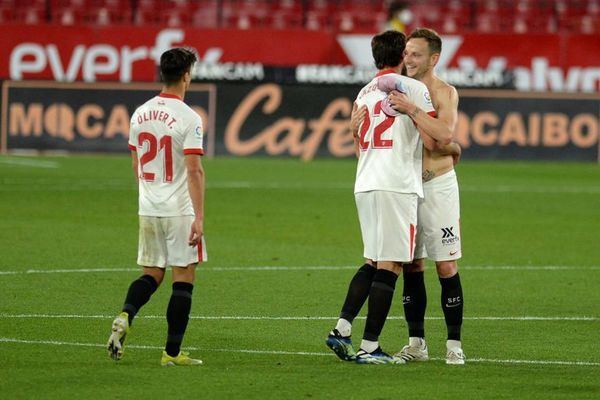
(427, 97)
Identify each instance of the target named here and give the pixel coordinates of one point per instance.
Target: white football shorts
(438, 233)
(388, 224)
(163, 242)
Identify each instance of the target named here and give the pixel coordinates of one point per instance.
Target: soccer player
(387, 187)
(165, 140)
(438, 234)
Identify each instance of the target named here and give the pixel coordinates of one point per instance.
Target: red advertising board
(543, 62)
(99, 54)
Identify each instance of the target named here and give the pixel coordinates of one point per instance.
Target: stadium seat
(30, 16)
(67, 16)
(283, 19)
(359, 16)
(105, 16)
(6, 14)
(291, 6)
(205, 18)
(143, 17)
(317, 20)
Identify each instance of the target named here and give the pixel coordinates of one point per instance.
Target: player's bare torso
(436, 163)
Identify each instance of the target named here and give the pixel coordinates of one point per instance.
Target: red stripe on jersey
(412, 241)
(169, 96)
(193, 151)
(131, 147)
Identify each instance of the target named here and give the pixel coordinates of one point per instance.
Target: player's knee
(446, 269)
(392, 266)
(415, 266)
(184, 274)
(157, 273)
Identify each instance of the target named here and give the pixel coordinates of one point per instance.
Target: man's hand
(456, 154)
(451, 149)
(357, 117)
(196, 232)
(400, 102)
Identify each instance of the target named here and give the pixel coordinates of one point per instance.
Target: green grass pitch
(283, 242)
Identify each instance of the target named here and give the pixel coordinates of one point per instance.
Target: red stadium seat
(6, 14)
(105, 16)
(206, 17)
(143, 17)
(30, 16)
(317, 21)
(291, 6)
(67, 16)
(283, 19)
(360, 16)
(487, 22)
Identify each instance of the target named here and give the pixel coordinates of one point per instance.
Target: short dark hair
(175, 63)
(433, 39)
(387, 48)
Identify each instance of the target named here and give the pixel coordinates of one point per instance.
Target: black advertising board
(303, 121)
(82, 117)
(517, 125)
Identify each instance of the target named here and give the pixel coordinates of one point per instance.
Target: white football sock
(344, 327)
(368, 346)
(450, 344)
(415, 341)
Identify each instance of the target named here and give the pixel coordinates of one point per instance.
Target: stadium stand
(368, 16)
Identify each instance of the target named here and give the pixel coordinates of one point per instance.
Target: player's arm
(438, 128)
(452, 149)
(196, 183)
(134, 165)
(430, 143)
(133, 148)
(356, 119)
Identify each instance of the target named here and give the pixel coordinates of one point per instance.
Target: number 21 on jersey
(155, 147)
(377, 141)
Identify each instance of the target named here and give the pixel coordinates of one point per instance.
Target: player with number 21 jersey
(163, 131)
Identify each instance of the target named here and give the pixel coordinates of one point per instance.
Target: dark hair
(175, 63)
(387, 48)
(433, 39)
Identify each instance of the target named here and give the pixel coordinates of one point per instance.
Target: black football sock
(358, 291)
(414, 300)
(380, 301)
(452, 304)
(178, 315)
(138, 294)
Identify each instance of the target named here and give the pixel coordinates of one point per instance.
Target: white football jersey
(162, 131)
(391, 148)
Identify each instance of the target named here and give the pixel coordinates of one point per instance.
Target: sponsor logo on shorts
(453, 252)
(448, 236)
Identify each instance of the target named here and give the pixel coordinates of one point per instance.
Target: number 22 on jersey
(155, 146)
(377, 141)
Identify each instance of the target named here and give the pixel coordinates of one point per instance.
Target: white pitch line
(290, 318)
(304, 268)
(26, 162)
(293, 353)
